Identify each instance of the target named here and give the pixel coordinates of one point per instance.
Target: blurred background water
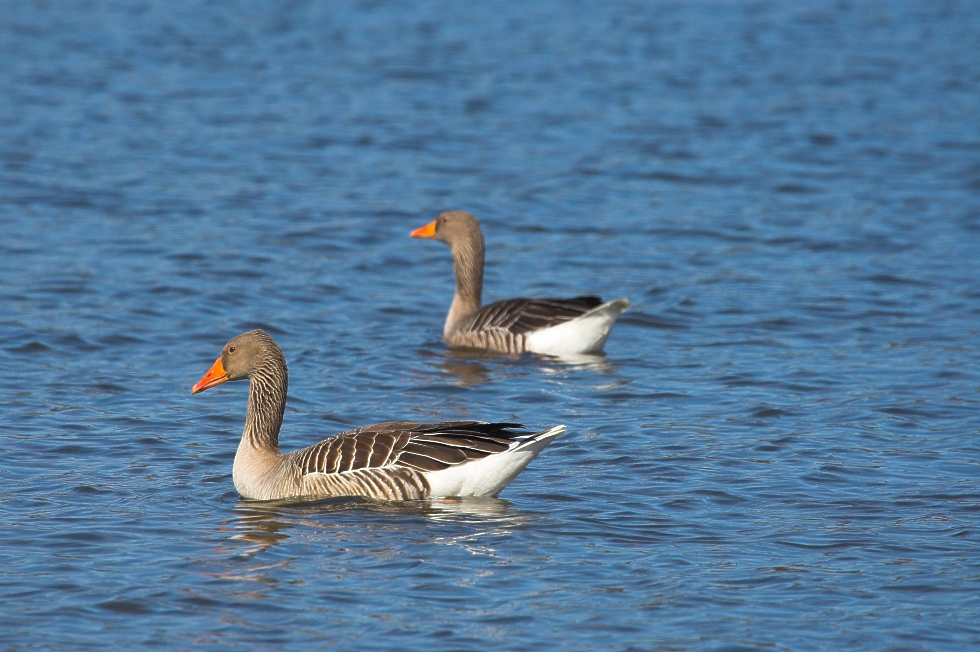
(780, 450)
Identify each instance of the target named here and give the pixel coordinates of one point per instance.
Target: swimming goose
(550, 326)
(399, 460)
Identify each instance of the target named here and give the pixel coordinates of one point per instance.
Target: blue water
(779, 451)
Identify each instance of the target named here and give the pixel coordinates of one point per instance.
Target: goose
(397, 460)
(579, 325)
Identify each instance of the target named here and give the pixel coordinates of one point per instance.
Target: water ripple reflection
(778, 451)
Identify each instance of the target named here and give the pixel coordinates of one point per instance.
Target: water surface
(780, 449)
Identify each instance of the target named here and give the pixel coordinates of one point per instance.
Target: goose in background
(398, 460)
(579, 325)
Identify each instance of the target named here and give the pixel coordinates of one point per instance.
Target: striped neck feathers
(468, 257)
(267, 389)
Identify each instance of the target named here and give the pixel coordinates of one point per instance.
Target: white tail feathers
(488, 476)
(585, 334)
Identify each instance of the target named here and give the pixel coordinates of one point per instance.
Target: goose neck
(468, 259)
(266, 406)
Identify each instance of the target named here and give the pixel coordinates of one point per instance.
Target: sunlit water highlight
(780, 449)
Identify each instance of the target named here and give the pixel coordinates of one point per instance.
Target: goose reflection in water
(263, 525)
(472, 367)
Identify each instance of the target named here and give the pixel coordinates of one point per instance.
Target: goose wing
(403, 444)
(519, 316)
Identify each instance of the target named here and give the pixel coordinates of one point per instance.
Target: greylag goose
(399, 460)
(551, 326)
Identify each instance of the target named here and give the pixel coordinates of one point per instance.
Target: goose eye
(231, 349)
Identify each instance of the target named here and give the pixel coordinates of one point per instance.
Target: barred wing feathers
(519, 316)
(405, 461)
(422, 447)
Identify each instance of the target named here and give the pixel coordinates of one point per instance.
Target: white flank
(489, 476)
(585, 334)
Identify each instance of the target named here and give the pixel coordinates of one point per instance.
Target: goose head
(241, 357)
(453, 228)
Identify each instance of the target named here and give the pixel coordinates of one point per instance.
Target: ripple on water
(778, 449)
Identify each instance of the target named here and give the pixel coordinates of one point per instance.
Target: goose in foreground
(551, 326)
(399, 460)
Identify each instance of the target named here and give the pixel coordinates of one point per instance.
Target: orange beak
(427, 231)
(215, 376)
